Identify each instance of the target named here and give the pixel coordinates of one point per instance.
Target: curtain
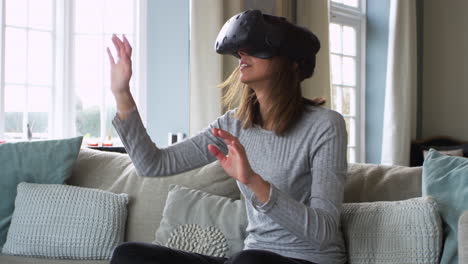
(207, 68)
(314, 15)
(401, 84)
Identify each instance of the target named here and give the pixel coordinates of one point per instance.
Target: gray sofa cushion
(463, 238)
(217, 224)
(5, 259)
(147, 195)
(66, 222)
(372, 182)
(408, 231)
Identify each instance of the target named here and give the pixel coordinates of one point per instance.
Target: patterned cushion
(203, 223)
(60, 221)
(406, 231)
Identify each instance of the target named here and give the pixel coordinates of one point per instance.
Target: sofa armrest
(463, 238)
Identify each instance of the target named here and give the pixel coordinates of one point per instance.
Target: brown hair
(285, 101)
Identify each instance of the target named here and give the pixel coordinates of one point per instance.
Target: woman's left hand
(235, 163)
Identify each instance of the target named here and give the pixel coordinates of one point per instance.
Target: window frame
(356, 18)
(27, 84)
(62, 118)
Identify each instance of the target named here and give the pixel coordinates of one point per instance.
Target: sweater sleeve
(149, 160)
(318, 220)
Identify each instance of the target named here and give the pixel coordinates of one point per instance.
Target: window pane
(39, 122)
(336, 69)
(349, 101)
(349, 41)
(335, 38)
(118, 16)
(89, 16)
(352, 3)
(88, 119)
(13, 125)
(349, 71)
(88, 84)
(15, 98)
(40, 58)
(16, 12)
(39, 107)
(88, 60)
(337, 1)
(351, 128)
(337, 100)
(15, 106)
(15, 55)
(111, 108)
(41, 14)
(91, 66)
(39, 99)
(351, 155)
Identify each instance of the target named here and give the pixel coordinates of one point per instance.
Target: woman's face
(254, 70)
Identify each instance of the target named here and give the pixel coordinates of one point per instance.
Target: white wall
(445, 69)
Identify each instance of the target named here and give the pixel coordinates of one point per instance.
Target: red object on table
(107, 144)
(2, 141)
(93, 144)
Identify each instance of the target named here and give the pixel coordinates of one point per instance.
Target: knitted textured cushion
(406, 231)
(60, 221)
(203, 223)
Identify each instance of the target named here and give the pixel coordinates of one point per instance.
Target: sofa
(366, 184)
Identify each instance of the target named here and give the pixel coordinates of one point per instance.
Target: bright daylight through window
(28, 68)
(347, 35)
(55, 61)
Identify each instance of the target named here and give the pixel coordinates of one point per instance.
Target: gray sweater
(306, 169)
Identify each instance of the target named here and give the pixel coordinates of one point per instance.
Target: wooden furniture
(438, 143)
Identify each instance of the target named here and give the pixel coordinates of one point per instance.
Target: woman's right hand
(121, 71)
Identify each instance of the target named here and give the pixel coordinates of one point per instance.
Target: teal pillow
(48, 161)
(66, 222)
(446, 179)
(203, 223)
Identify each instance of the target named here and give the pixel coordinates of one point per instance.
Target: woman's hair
(285, 102)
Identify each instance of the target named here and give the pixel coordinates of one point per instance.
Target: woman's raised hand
(121, 70)
(235, 163)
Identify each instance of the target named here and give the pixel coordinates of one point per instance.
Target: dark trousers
(145, 253)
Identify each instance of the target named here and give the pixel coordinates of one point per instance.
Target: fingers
(128, 48)
(231, 141)
(111, 59)
(119, 46)
(226, 136)
(216, 152)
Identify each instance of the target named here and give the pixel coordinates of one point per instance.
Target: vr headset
(264, 36)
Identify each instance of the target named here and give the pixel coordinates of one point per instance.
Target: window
(94, 22)
(347, 53)
(56, 76)
(28, 67)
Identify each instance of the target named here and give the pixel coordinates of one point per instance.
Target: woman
(287, 153)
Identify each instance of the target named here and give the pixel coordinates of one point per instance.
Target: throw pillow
(49, 161)
(61, 221)
(446, 179)
(203, 223)
(407, 231)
